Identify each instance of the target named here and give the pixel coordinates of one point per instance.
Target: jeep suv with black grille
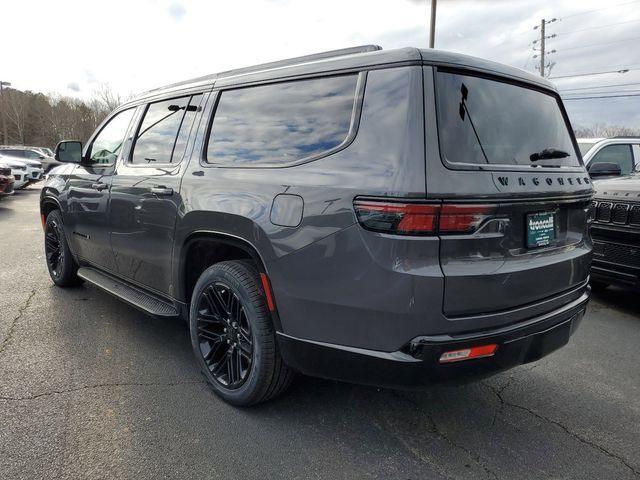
(384, 217)
(616, 232)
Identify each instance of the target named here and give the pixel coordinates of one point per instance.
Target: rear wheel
(61, 264)
(233, 337)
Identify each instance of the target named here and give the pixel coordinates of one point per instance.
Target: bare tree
(107, 97)
(603, 130)
(16, 107)
(44, 120)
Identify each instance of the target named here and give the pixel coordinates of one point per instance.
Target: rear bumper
(416, 364)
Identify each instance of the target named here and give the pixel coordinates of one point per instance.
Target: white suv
(32, 154)
(18, 170)
(622, 151)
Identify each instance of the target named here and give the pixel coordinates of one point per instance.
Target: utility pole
(542, 46)
(432, 30)
(4, 114)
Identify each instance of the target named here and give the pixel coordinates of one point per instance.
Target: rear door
(515, 195)
(145, 192)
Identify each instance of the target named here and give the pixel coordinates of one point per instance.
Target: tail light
(399, 218)
(420, 218)
(460, 218)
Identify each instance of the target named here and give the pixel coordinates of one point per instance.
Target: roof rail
(303, 59)
(277, 64)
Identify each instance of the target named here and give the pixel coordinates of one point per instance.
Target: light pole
(4, 121)
(432, 30)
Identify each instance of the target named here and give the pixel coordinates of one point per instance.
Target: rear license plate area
(541, 229)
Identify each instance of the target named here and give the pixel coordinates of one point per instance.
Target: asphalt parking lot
(91, 388)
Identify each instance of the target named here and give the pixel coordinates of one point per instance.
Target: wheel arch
(48, 203)
(203, 248)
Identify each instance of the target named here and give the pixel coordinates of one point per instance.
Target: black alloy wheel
(233, 335)
(224, 335)
(62, 266)
(53, 247)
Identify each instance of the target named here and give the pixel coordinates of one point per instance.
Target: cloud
(501, 31)
(73, 86)
(177, 11)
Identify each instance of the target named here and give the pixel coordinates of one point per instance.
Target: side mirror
(605, 169)
(69, 151)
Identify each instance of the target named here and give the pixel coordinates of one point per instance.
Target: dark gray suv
(384, 217)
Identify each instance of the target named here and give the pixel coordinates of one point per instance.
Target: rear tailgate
(497, 268)
(506, 146)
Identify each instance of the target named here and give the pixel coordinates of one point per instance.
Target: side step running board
(130, 294)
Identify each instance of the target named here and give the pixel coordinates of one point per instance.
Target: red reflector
(267, 292)
(468, 353)
(463, 218)
(43, 220)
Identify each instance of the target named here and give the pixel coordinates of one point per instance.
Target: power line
(610, 92)
(597, 9)
(600, 44)
(605, 96)
(595, 28)
(600, 86)
(622, 70)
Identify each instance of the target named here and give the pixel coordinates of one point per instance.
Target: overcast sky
(70, 47)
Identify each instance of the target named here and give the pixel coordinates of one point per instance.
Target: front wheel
(232, 335)
(60, 263)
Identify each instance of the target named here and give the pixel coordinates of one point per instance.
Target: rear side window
(162, 135)
(281, 123)
(484, 121)
(618, 154)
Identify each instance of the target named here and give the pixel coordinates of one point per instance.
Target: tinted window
(108, 144)
(31, 154)
(157, 134)
(484, 121)
(13, 153)
(618, 154)
(281, 123)
(185, 128)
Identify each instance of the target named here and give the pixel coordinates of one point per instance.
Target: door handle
(99, 186)
(162, 191)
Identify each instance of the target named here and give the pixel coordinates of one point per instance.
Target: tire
(233, 337)
(598, 286)
(62, 267)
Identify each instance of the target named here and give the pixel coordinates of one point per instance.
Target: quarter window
(108, 144)
(618, 154)
(165, 127)
(281, 123)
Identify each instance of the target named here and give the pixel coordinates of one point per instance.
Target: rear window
(281, 123)
(483, 121)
